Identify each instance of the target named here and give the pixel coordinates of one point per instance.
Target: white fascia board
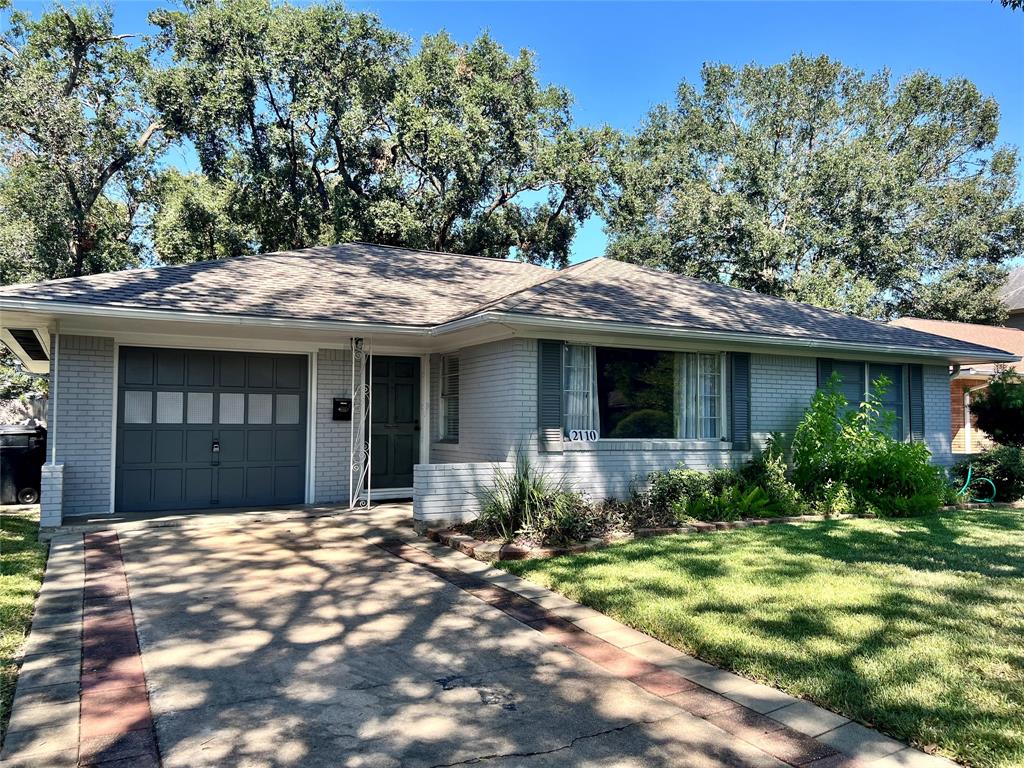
(541, 326)
(58, 309)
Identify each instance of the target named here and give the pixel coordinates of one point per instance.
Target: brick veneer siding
(937, 426)
(781, 388)
(450, 493)
(83, 406)
(333, 379)
(979, 440)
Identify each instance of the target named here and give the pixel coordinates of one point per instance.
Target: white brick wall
(451, 492)
(937, 418)
(84, 418)
(333, 379)
(781, 388)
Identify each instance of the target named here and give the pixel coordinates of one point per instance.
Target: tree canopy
(306, 125)
(77, 140)
(816, 182)
(317, 125)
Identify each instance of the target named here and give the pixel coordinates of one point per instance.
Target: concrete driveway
(302, 644)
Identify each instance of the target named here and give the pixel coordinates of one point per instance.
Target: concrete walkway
(350, 642)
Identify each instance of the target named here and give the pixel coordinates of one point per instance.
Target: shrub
(999, 408)
(515, 499)
(732, 503)
(840, 453)
(768, 471)
(672, 488)
(1004, 465)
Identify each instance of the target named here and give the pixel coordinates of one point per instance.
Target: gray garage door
(198, 429)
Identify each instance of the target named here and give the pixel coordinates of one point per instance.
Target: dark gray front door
(395, 421)
(199, 429)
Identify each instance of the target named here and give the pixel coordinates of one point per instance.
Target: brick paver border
(791, 730)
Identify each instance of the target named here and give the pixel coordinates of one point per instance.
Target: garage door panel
(135, 488)
(230, 486)
(137, 447)
(167, 486)
(259, 445)
(259, 484)
(173, 405)
(169, 446)
(198, 486)
(137, 366)
(200, 369)
(170, 368)
(289, 445)
(232, 369)
(232, 446)
(288, 482)
(260, 372)
(197, 446)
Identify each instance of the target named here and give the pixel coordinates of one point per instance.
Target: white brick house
(331, 375)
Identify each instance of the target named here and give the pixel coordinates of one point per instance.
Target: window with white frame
(640, 393)
(450, 398)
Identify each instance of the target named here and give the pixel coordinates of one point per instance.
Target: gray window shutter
(824, 371)
(916, 403)
(739, 400)
(549, 395)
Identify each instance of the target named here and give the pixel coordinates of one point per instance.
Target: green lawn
(913, 626)
(22, 559)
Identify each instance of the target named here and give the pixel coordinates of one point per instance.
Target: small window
(138, 407)
(450, 398)
(169, 406)
(260, 409)
(232, 408)
(200, 407)
(287, 409)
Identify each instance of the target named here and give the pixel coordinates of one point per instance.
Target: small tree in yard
(999, 409)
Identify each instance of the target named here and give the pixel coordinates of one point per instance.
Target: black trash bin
(22, 454)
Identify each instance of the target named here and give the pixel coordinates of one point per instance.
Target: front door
(394, 421)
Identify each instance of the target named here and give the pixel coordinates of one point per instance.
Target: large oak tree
(813, 181)
(319, 125)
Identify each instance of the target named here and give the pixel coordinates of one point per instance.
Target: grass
(22, 559)
(913, 626)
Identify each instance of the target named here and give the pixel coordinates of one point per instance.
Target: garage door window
(260, 408)
(232, 408)
(200, 407)
(138, 407)
(287, 409)
(168, 407)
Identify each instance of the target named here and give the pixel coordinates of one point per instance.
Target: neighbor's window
(642, 393)
(450, 398)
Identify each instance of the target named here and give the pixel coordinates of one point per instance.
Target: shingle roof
(1012, 293)
(604, 289)
(363, 283)
(354, 282)
(1010, 339)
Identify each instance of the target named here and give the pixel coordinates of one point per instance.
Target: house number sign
(582, 435)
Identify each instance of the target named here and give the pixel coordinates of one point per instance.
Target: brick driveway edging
(793, 730)
(81, 696)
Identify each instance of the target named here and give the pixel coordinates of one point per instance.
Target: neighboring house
(245, 382)
(965, 380)
(1012, 295)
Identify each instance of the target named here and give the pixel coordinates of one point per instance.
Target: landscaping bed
(913, 626)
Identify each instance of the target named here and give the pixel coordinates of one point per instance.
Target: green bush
(672, 488)
(1003, 465)
(999, 408)
(768, 471)
(842, 456)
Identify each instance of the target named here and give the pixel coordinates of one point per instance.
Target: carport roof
(361, 283)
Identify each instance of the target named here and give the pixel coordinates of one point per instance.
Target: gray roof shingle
(363, 283)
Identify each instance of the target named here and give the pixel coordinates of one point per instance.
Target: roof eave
(62, 308)
(955, 355)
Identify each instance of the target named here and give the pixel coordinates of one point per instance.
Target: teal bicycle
(966, 490)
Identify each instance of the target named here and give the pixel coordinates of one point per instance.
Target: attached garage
(200, 429)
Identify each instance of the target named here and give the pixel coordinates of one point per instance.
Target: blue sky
(619, 59)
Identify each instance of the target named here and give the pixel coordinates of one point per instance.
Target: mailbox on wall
(342, 409)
